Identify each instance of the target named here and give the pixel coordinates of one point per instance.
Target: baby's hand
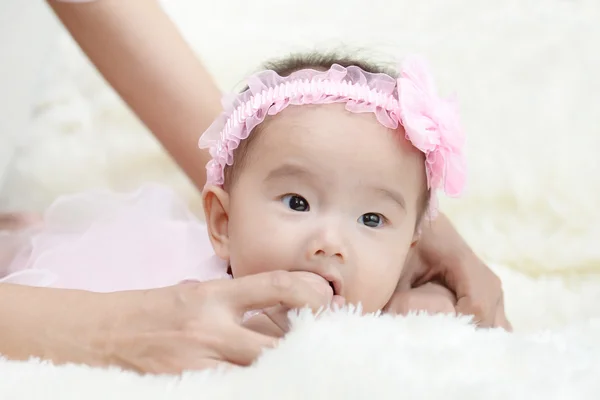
(262, 323)
(431, 298)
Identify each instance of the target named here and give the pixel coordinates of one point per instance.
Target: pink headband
(431, 124)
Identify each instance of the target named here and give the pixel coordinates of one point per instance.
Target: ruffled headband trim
(431, 124)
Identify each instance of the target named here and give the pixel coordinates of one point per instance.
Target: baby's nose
(328, 244)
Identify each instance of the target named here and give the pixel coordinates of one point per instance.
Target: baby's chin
(368, 304)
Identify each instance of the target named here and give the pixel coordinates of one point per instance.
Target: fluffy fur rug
(526, 74)
(344, 356)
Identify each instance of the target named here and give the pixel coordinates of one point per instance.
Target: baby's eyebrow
(288, 170)
(393, 195)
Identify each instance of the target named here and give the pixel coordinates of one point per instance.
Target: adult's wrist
(58, 325)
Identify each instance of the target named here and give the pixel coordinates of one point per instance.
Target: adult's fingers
(496, 319)
(197, 365)
(478, 291)
(273, 288)
(464, 286)
(501, 320)
(242, 346)
(466, 306)
(279, 316)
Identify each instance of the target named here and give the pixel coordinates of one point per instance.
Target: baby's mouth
(336, 286)
(331, 284)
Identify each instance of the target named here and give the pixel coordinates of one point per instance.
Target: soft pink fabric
(105, 242)
(431, 124)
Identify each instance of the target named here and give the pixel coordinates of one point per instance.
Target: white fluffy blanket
(344, 356)
(526, 72)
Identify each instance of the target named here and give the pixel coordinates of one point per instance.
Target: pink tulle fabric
(105, 242)
(431, 123)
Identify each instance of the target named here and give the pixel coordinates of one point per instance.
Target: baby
(330, 165)
(323, 165)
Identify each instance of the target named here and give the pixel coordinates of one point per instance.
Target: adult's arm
(165, 330)
(141, 54)
(51, 324)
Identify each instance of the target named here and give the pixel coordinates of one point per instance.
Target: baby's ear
(216, 213)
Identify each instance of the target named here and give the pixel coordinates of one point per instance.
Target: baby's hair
(285, 67)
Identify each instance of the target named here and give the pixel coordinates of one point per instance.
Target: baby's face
(326, 191)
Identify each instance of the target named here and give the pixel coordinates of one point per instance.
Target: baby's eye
(295, 202)
(372, 220)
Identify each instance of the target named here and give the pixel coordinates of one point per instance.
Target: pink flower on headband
(433, 126)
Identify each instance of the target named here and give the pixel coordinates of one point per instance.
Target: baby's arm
(431, 297)
(140, 52)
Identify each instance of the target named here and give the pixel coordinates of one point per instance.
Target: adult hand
(274, 320)
(443, 255)
(199, 325)
(168, 330)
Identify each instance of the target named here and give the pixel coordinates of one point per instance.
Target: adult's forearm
(51, 324)
(140, 52)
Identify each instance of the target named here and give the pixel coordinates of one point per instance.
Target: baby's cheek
(257, 255)
(376, 300)
(248, 262)
(259, 240)
(373, 284)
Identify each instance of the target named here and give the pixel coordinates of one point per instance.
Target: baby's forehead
(331, 124)
(324, 134)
